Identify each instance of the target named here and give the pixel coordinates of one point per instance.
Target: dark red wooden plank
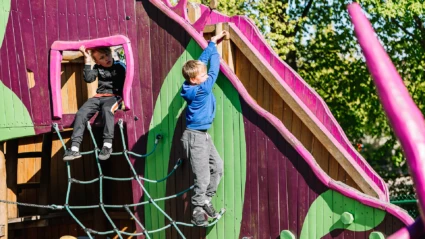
(9, 40)
(122, 24)
(263, 148)
(112, 16)
(82, 19)
(72, 21)
(254, 142)
(273, 183)
(18, 73)
(41, 76)
(92, 19)
(292, 189)
(63, 21)
(101, 18)
(303, 189)
(283, 184)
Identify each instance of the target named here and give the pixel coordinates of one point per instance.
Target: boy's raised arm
(214, 60)
(89, 74)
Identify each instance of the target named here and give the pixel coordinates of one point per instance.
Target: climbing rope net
(128, 207)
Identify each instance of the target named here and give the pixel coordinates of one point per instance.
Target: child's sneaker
(198, 217)
(209, 209)
(105, 153)
(71, 155)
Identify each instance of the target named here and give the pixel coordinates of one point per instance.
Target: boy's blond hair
(192, 68)
(104, 50)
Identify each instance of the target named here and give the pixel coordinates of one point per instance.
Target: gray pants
(207, 166)
(107, 106)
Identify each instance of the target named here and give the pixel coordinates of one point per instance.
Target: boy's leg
(216, 170)
(109, 105)
(83, 115)
(197, 150)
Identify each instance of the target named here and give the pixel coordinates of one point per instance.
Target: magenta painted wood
(55, 82)
(15, 53)
(62, 21)
(202, 21)
(112, 17)
(91, 13)
(181, 9)
(415, 230)
(102, 25)
(407, 121)
(82, 19)
(58, 46)
(71, 17)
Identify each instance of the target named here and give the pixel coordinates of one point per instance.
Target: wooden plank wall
(75, 91)
(269, 100)
(281, 188)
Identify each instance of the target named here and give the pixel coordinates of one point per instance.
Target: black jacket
(111, 79)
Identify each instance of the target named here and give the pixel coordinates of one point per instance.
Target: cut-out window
(66, 72)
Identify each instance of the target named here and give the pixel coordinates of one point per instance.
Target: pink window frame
(56, 59)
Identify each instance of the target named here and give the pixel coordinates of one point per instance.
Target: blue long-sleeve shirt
(200, 100)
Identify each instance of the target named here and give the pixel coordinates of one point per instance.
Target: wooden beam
(29, 155)
(72, 57)
(45, 172)
(29, 185)
(209, 29)
(193, 11)
(29, 224)
(325, 138)
(3, 194)
(12, 176)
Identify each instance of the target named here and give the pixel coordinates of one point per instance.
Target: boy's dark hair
(191, 69)
(104, 50)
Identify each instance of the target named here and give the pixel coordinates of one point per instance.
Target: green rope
(102, 177)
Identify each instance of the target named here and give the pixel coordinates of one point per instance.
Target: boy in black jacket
(108, 99)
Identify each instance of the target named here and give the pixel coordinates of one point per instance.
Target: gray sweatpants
(207, 166)
(107, 106)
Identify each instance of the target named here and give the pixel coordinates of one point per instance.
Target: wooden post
(12, 176)
(228, 51)
(3, 194)
(213, 4)
(218, 30)
(45, 172)
(193, 11)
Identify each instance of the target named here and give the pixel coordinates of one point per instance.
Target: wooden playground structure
(290, 171)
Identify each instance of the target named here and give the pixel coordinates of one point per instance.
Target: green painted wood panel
(4, 17)
(13, 125)
(332, 205)
(228, 134)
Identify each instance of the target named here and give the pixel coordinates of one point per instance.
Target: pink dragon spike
(181, 9)
(167, 3)
(202, 21)
(407, 121)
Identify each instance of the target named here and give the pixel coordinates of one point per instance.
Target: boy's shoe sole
(70, 158)
(199, 225)
(101, 157)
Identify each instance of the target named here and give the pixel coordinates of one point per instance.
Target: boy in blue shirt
(207, 165)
